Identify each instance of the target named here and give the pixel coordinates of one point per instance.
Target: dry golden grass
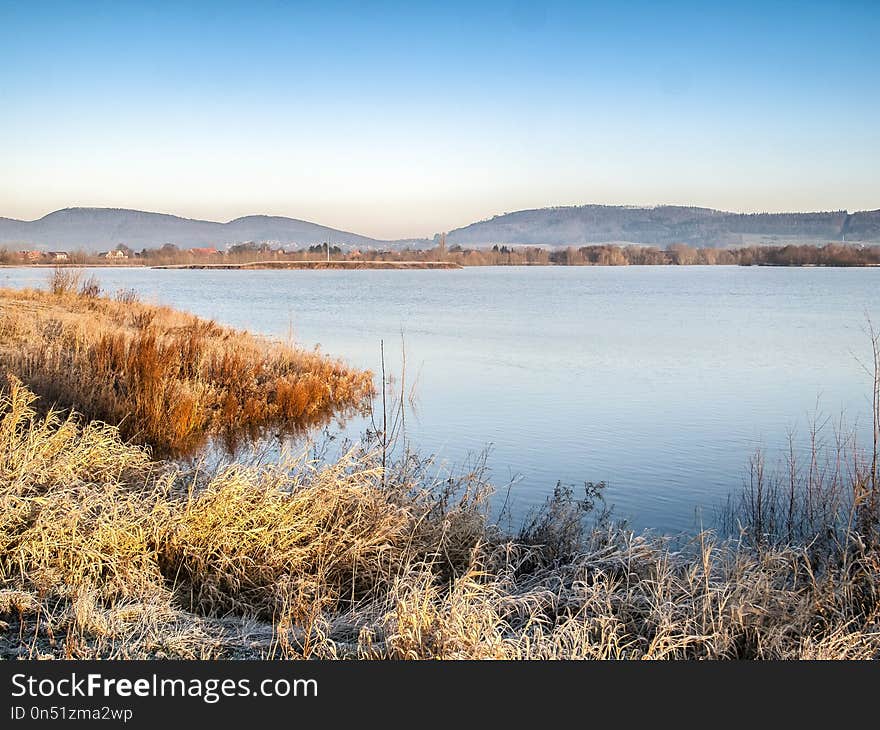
(168, 379)
(105, 553)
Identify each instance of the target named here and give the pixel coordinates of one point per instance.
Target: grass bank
(107, 553)
(167, 378)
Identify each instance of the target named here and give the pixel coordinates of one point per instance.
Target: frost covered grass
(105, 552)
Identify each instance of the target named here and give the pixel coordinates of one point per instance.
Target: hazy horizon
(399, 121)
(332, 224)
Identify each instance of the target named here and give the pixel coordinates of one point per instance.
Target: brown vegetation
(168, 379)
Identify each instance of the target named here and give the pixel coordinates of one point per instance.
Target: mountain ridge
(95, 228)
(664, 225)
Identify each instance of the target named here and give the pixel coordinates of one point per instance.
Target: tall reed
(168, 379)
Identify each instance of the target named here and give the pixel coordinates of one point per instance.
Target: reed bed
(168, 379)
(105, 552)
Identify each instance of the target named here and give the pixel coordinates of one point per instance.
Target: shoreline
(408, 266)
(306, 265)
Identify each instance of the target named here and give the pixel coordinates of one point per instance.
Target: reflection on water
(323, 437)
(660, 381)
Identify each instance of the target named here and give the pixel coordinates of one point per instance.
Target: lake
(660, 381)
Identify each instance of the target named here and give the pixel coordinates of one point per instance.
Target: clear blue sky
(403, 119)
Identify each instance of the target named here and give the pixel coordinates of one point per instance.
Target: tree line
(831, 254)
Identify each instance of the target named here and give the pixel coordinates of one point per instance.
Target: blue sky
(404, 119)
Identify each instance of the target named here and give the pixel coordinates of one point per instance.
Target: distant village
(171, 252)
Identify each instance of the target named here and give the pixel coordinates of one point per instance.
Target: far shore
(321, 265)
(393, 265)
(305, 265)
(830, 255)
(251, 256)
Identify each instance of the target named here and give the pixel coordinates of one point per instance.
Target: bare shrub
(64, 281)
(127, 296)
(91, 288)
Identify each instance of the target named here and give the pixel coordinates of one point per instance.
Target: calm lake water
(660, 381)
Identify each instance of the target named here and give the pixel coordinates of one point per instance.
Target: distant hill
(664, 225)
(94, 229)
